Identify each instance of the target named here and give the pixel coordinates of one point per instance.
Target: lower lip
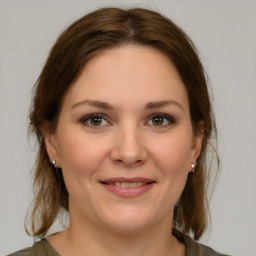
(128, 192)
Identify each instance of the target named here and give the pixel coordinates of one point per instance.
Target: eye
(161, 120)
(94, 120)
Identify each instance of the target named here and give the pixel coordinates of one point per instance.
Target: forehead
(134, 74)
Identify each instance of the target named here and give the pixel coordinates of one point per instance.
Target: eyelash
(162, 116)
(87, 118)
(169, 119)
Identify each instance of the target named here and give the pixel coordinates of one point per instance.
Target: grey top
(43, 248)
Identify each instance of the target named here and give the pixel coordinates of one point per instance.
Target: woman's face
(124, 140)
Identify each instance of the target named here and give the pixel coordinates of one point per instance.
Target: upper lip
(127, 180)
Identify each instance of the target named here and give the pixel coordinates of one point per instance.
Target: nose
(128, 147)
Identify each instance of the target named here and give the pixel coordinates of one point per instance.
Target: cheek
(82, 155)
(173, 161)
(173, 154)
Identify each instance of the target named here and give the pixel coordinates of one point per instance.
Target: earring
(193, 167)
(53, 162)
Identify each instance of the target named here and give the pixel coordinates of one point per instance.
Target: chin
(128, 227)
(129, 221)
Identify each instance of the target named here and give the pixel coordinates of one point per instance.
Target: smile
(128, 188)
(127, 185)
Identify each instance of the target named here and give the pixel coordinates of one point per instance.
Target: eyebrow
(148, 106)
(94, 103)
(159, 104)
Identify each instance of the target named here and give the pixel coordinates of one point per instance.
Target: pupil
(96, 121)
(158, 121)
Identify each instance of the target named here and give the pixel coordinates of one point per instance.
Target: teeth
(128, 185)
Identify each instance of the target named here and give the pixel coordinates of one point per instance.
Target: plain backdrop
(224, 32)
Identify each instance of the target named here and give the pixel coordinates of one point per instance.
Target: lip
(127, 192)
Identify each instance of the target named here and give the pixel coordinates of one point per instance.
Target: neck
(90, 240)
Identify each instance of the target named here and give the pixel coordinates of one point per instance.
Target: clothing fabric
(43, 248)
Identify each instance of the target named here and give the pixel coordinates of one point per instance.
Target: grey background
(224, 31)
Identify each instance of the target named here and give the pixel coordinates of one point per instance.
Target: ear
(197, 142)
(51, 144)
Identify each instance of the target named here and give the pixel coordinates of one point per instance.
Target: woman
(123, 119)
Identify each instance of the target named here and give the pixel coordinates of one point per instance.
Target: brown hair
(107, 28)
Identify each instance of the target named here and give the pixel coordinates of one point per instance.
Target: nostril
(118, 160)
(128, 154)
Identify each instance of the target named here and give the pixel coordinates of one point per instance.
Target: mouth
(128, 187)
(126, 184)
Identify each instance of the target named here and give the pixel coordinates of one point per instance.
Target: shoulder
(24, 252)
(196, 249)
(40, 248)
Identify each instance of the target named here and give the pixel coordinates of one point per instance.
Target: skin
(126, 142)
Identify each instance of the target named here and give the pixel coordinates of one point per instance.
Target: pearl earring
(53, 162)
(193, 167)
